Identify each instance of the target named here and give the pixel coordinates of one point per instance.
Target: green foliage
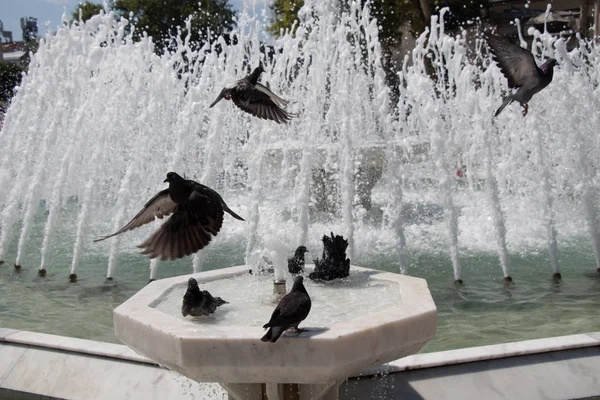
(160, 19)
(284, 12)
(10, 77)
(88, 10)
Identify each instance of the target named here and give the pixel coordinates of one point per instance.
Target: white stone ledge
(491, 352)
(73, 345)
(417, 361)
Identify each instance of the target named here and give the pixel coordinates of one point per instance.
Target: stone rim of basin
(235, 354)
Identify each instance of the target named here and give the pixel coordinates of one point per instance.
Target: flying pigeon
(197, 213)
(519, 67)
(198, 302)
(256, 99)
(296, 263)
(292, 309)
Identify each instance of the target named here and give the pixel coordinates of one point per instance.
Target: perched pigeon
(292, 309)
(334, 263)
(296, 263)
(520, 70)
(198, 302)
(256, 99)
(197, 213)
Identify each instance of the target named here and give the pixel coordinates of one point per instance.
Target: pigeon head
(548, 66)
(301, 250)
(298, 284)
(173, 176)
(192, 284)
(253, 77)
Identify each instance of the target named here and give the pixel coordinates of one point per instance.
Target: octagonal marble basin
(366, 320)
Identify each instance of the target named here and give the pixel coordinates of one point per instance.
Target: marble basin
(218, 351)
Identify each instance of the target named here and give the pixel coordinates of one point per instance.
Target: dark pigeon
(256, 99)
(334, 263)
(296, 263)
(198, 302)
(197, 214)
(519, 67)
(292, 309)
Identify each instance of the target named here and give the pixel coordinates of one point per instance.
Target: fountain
(398, 319)
(99, 119)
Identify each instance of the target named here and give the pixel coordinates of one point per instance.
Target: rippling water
(485, 310)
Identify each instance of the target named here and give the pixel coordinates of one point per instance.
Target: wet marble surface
(235, 354)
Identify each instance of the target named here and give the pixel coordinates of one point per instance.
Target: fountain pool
(99, 120)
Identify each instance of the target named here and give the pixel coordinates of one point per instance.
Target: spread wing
(261, 102)
(516, 63)
(157, 207)
(188, 230)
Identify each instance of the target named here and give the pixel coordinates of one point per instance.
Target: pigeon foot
(525, 109)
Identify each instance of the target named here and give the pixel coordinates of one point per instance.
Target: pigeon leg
(299, 330)
(525, 109)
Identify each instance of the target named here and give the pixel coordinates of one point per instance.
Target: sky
(51, 11)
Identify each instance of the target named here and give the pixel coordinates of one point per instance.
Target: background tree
(160, 19)
(10, 77)
(88, 10)
(284, 13)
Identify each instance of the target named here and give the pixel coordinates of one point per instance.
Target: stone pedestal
(316, 361)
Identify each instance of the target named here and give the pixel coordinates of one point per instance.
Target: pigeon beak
(221, 95)
(167, 180)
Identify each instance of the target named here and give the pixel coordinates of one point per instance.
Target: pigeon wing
(291, 309)
(259, 104)
(276, 99)
(188, 230)
(516, 63)
(157, 207)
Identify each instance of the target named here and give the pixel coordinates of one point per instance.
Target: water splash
(382, 174)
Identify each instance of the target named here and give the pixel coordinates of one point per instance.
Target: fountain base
(73, 278)
(557, 276)
(282, 391)
(279, 287)
(42, 272)
(1, 262)
(18, 267)
(508, 279)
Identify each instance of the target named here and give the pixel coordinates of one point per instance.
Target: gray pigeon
(519, 67)
(296, 263)
(197, 213)
(292, 309)
(198, 302)
(255, 99)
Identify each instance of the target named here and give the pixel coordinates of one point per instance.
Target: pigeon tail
(273, 334)
(230, 212)
(507, 101)
(220, 301)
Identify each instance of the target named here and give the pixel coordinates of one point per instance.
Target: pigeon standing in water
(292, 309)
(198, 302)
(519, 67)
(255, 99)
(197, 214)
(296, 263)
